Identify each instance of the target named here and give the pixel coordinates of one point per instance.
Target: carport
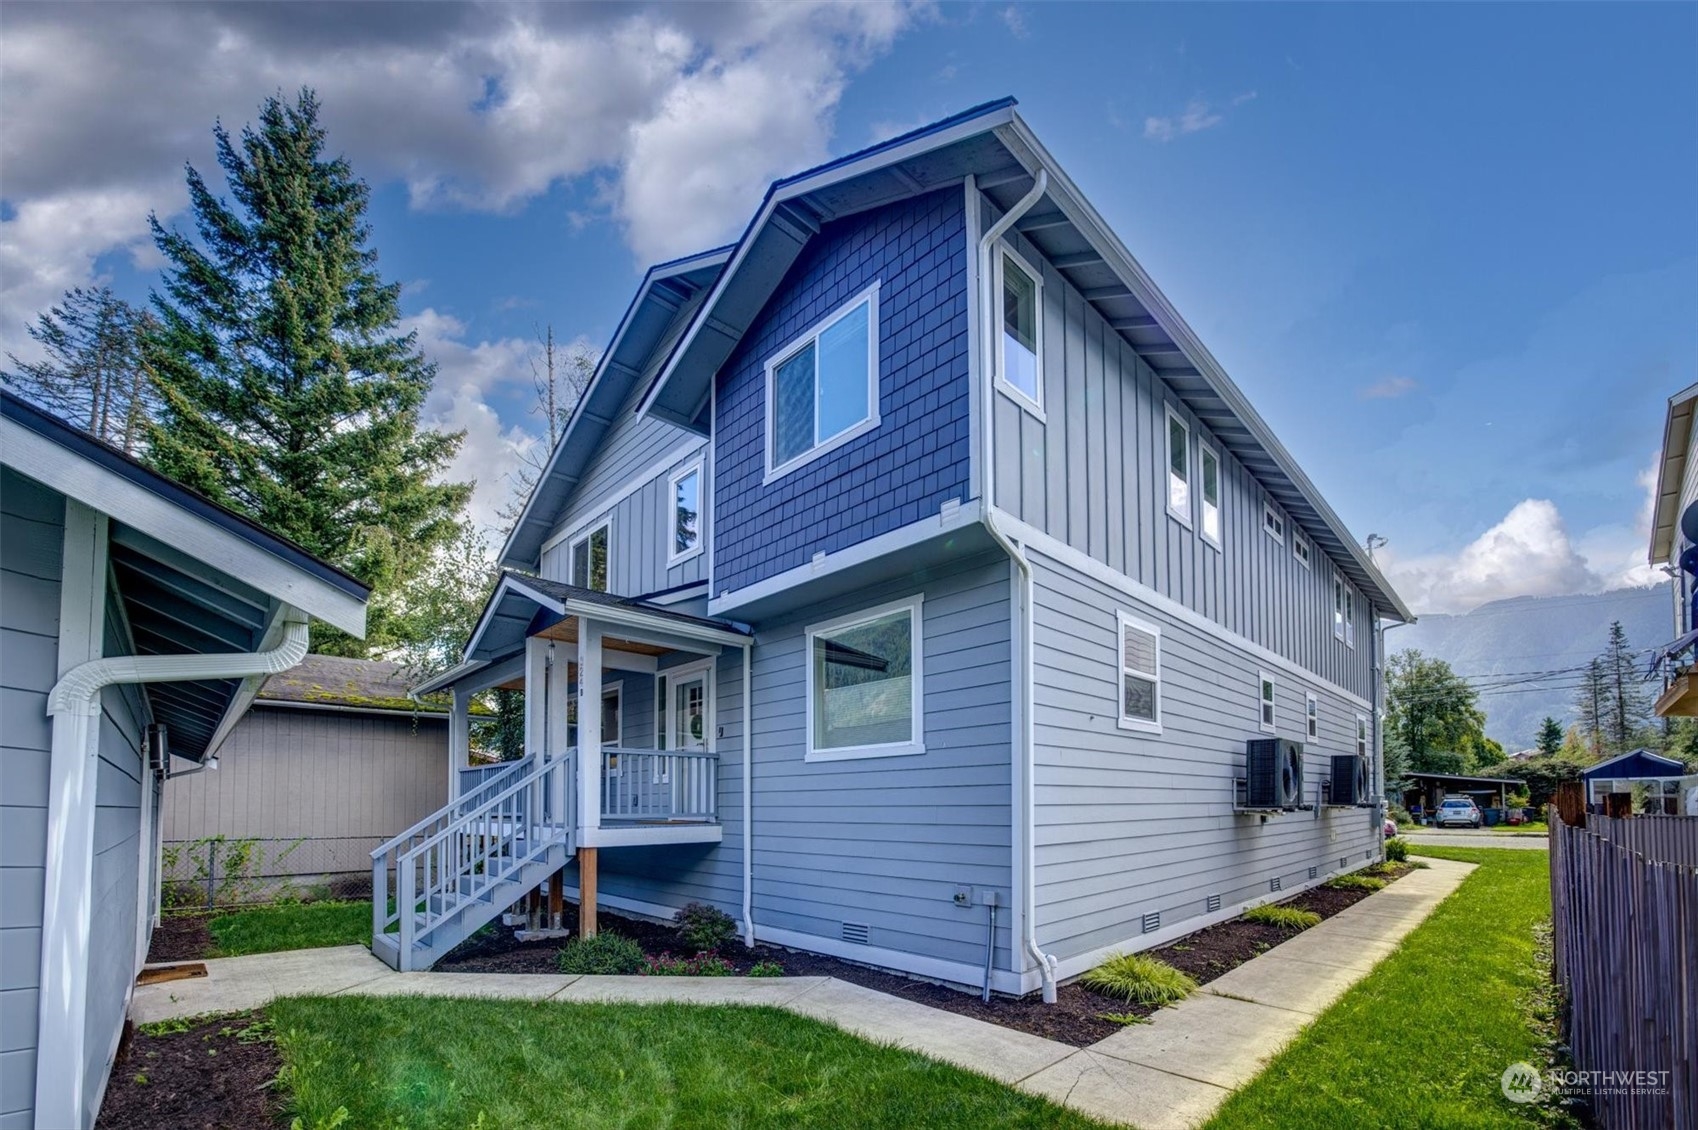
(1423, 791)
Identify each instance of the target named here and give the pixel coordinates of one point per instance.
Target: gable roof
(1635, 764)
(667, 290)
(995, 146)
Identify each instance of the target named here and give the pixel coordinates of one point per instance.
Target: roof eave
(1671, 473)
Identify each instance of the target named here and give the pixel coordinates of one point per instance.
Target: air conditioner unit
(1349, 779)
(1273, 775)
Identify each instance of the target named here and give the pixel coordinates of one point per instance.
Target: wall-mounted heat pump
(1273, 775)
(1349, 779)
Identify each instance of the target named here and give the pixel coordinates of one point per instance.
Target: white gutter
(1028, 736)
(748, 796)
(68, 911)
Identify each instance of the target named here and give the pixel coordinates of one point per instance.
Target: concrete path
(1168, 1074)
(1468, 838)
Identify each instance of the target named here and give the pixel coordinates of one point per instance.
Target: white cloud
(678, 114)
(1528, 553)
(1389, 388)
(1197, 116)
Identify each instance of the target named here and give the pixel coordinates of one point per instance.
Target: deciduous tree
(1432, 713)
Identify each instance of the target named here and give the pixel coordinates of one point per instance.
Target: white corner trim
(891, 541)
(1065, 554)
(605, 503)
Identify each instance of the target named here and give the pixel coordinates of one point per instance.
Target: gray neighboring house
(912, 583)
(332, 759)
(137, 619)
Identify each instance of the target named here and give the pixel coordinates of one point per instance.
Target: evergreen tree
(92, 373)
(288, 392)
(1550, 737)
(1591, 705)
(1627, 707)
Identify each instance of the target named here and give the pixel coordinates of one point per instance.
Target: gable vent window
(1178, 468)
(1273, 522)
(855, 932)
(1019, 371)
(1140, 675)
(1209, 500)
(822, 388)
(590, 557)
(1300, 549)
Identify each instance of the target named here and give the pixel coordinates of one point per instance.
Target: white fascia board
(1671, 473)
(1073, 204)
(113, 494)
(660, 626)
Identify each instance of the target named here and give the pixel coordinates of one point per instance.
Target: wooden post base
(557, 900)
(586, 892)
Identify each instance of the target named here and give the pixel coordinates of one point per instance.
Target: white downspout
(748, 795)
(1028, 736)
(68, 911)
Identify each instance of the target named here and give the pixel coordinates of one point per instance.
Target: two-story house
(920, 588)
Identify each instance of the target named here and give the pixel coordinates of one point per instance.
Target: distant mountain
(1529, 634)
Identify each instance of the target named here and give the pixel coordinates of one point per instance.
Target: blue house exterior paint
(989, 644)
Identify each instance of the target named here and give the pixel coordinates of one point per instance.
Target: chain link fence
(224, 871)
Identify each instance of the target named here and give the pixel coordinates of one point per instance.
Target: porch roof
(522, 606)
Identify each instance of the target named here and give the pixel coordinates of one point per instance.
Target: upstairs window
(1178, 468)
(1209, 500)
(1312, 712)
(590, 558)
(1361, 736)
(1349, 616)
(822, 388)
(1273, 522)
(1018, 370)
(1140, 675)
(684, 520)
(1338, 607)
(1300, 549)
(1265, 701)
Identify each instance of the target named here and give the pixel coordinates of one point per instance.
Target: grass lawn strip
(1424, 1039)
(291, 926)
(426, 1063)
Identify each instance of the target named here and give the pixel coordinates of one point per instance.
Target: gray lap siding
(1131, 823)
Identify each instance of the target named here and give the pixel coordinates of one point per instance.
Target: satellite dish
(1689, 560)
(1689, 522)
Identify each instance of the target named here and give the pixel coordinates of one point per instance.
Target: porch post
(536, 693)
(589, 768)
(459, 739)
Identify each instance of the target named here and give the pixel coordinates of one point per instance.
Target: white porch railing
(649, 785)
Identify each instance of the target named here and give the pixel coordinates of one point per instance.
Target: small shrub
(766, 969)
(1417, 865)
(702, 965)
(1356, 882)
(1397, 849)
(1141, 979)
(1285, 917)
(603, 954)
(705, 928)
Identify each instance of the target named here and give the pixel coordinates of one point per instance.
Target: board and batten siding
(343, 782)
(1092, 474)
(32, 533)
(1132, 823)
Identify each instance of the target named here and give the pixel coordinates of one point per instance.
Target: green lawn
(423, 1063)
(1424, 1039)
(293, 926)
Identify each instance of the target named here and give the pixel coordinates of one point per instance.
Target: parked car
(1457, 810)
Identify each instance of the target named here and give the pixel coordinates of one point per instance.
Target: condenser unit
(1273, 776)
(1349, 779)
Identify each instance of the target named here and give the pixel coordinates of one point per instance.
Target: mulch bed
(180, 937)
(211, 1075)
(1075, 1018)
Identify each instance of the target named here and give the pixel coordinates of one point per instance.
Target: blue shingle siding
(902, 470)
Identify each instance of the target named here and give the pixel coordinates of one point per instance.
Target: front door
(689, 713)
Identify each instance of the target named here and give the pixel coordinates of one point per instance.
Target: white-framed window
(1312, 715)
(822, 388)
(1019, 364)
(592, 556)
(1343, 611)
(1273, 522)
(1301, 549)
(1208, 493)
(865, 684)
(1265, 691)
(1140, 674)
(1178, 467)
(1362, 735)
(1349, 616)
(611, 714)
(683, 531)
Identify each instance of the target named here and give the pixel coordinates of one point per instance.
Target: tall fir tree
(1550, 737)
(288, 392)
(1591, 705)
(1627, 707)
(91, 370)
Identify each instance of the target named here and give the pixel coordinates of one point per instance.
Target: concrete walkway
(1168, 1074)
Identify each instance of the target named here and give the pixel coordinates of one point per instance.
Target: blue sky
(1450, 251)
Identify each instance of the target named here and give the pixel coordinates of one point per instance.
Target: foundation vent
(855, 932)
(1273, 884)
(1152, 922)
(1212, 903)
(1343, 863)
(1314, 872)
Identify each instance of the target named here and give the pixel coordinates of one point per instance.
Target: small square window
(1312, 711)
(1266, 702)
(1300, 549)
(1019, 369)
(1140, 675)
(1273, 522)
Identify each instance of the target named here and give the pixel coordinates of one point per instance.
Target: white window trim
(1203, 448)
(1349, 616)
(582, 534)
(670, 509)
(615, 691)
(1307, 556)
(916, 744)
(1311, 716)
(1362, 735)
(1002, 383)
(1182, 515)
(1273, 522)
(811, 334)
(1124, 620)
(1264, 723)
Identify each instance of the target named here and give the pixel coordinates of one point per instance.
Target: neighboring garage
(1424, 791)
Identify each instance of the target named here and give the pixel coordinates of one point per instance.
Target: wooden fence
(1625, 934)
